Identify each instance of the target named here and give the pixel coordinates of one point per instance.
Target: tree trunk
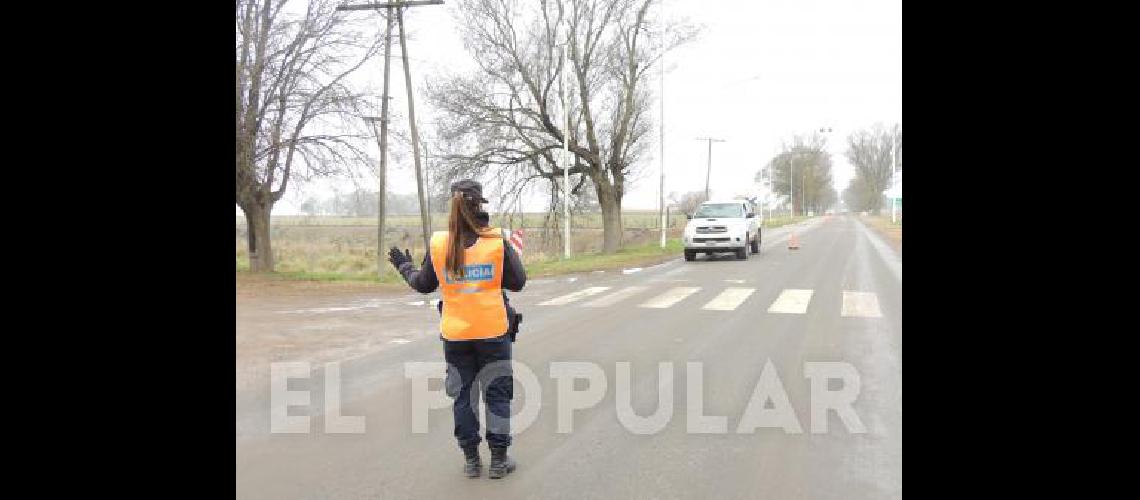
(257, 228)
(611, 216)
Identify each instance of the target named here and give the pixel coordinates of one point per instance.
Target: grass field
(344, 248)
(537, 265)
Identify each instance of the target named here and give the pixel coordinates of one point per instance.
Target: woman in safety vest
(477, 324)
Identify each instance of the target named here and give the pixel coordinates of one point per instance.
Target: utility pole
(792, 186)
(518, 203)
(415, 135)
(382, 136)
(661, 189)
(708, 172)
(399, 6)
(381, 197)
(815, 201)
(894, 180)
(427, 183)
(565, 156)
(792, 181)
(767, 191)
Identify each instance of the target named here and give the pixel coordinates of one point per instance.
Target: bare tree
(687, 202)
(508, 120)
(297, 119)
(869, 150)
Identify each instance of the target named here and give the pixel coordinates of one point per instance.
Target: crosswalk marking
(571, 297)
(729, 299)
(670, 297)
(861, 305)
(613, 298)
(791, 301)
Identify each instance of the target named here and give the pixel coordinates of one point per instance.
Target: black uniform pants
(475, 368)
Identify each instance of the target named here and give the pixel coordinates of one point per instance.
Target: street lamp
(661, 209)
(661, 128)
(565, 155)
(894, 181)
(792, 182)
(792, 178)
(825, 131)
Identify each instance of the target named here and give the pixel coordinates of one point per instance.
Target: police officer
(477, 324)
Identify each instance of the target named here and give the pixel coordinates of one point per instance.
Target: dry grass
(344, 249)
(643, 254)
(774, 222)
(882, 224)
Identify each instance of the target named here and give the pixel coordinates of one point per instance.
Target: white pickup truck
(722, 226)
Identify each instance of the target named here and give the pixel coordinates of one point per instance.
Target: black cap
(471, 188)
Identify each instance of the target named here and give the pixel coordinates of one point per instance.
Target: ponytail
(460, 223)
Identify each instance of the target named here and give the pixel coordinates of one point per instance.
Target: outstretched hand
(397, 258)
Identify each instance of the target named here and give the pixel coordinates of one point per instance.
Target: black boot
(473, 466)
(501, 464)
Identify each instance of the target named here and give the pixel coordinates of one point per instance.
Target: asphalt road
(836, 299)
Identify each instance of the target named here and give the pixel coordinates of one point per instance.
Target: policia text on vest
(491, 263)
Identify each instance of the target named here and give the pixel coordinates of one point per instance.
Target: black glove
(397, 258)
(513, 328)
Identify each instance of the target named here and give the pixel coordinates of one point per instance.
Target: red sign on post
(517, 240)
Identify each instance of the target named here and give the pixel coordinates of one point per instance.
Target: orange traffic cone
(793, 242)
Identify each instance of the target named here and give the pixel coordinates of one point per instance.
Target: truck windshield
(720, 210)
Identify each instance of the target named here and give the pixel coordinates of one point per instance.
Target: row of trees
(803, 170)
(869, 151)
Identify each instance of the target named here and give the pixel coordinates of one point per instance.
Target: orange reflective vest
(473, 306)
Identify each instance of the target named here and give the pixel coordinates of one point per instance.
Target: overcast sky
(760, 72)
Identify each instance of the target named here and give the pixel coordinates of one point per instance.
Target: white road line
(571, 297)
(791, 301)
(729, 299)
(670, 297)
(861, 305)
(890, 258)
(613, 298)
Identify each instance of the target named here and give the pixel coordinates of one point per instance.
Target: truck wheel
(690, 255)
(742, 252)
(756, 244)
